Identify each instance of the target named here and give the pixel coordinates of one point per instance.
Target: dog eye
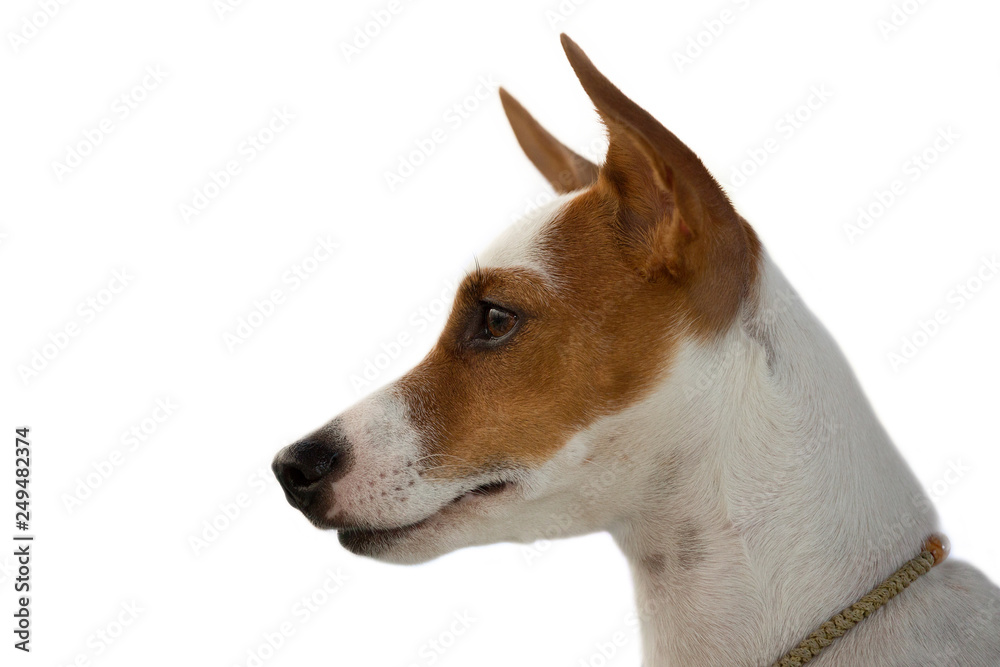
(499, 322)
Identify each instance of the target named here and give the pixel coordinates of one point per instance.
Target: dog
(629, 359)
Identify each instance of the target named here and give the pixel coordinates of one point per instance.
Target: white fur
(382, 486)
(797, 499)
(517, 247)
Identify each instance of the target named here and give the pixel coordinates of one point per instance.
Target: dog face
(572, 316)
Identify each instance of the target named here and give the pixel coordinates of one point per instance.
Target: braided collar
(934, 551)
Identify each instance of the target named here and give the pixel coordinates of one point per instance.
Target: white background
(162, 337)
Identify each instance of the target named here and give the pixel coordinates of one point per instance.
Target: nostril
(301, 468)
(296, 478)
(298, 475)
(304, 469)
(311, 460)
(299, 488)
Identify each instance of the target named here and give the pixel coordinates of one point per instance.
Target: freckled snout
(306, 468)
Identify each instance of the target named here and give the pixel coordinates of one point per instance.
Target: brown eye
(499, 322)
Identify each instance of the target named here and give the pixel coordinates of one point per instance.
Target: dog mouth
(372, 541)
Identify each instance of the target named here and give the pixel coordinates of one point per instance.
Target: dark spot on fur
(655, 564)
(690, 547)
(765, 342)
(759, 334)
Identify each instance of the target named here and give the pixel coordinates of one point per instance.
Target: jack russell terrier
(630, 359)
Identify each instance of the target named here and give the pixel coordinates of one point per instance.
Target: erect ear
(563, 168)
(673, 217)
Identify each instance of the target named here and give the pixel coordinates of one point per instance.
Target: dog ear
(672, 216)
(563, 168)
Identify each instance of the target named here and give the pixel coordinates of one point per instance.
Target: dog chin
(436, 535)
(391, 547)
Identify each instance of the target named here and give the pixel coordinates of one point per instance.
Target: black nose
(301, 468)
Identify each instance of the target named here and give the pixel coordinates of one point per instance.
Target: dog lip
(488, 489)
(354, 536)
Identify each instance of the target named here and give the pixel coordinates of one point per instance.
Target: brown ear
(563, 168)
(673, 216)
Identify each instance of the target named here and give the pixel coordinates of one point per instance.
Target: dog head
(573, 315)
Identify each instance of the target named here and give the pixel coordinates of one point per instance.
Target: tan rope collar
(935, 550)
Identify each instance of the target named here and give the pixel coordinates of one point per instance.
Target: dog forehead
(519, 246)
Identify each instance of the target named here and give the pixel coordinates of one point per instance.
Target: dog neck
(779, 500)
